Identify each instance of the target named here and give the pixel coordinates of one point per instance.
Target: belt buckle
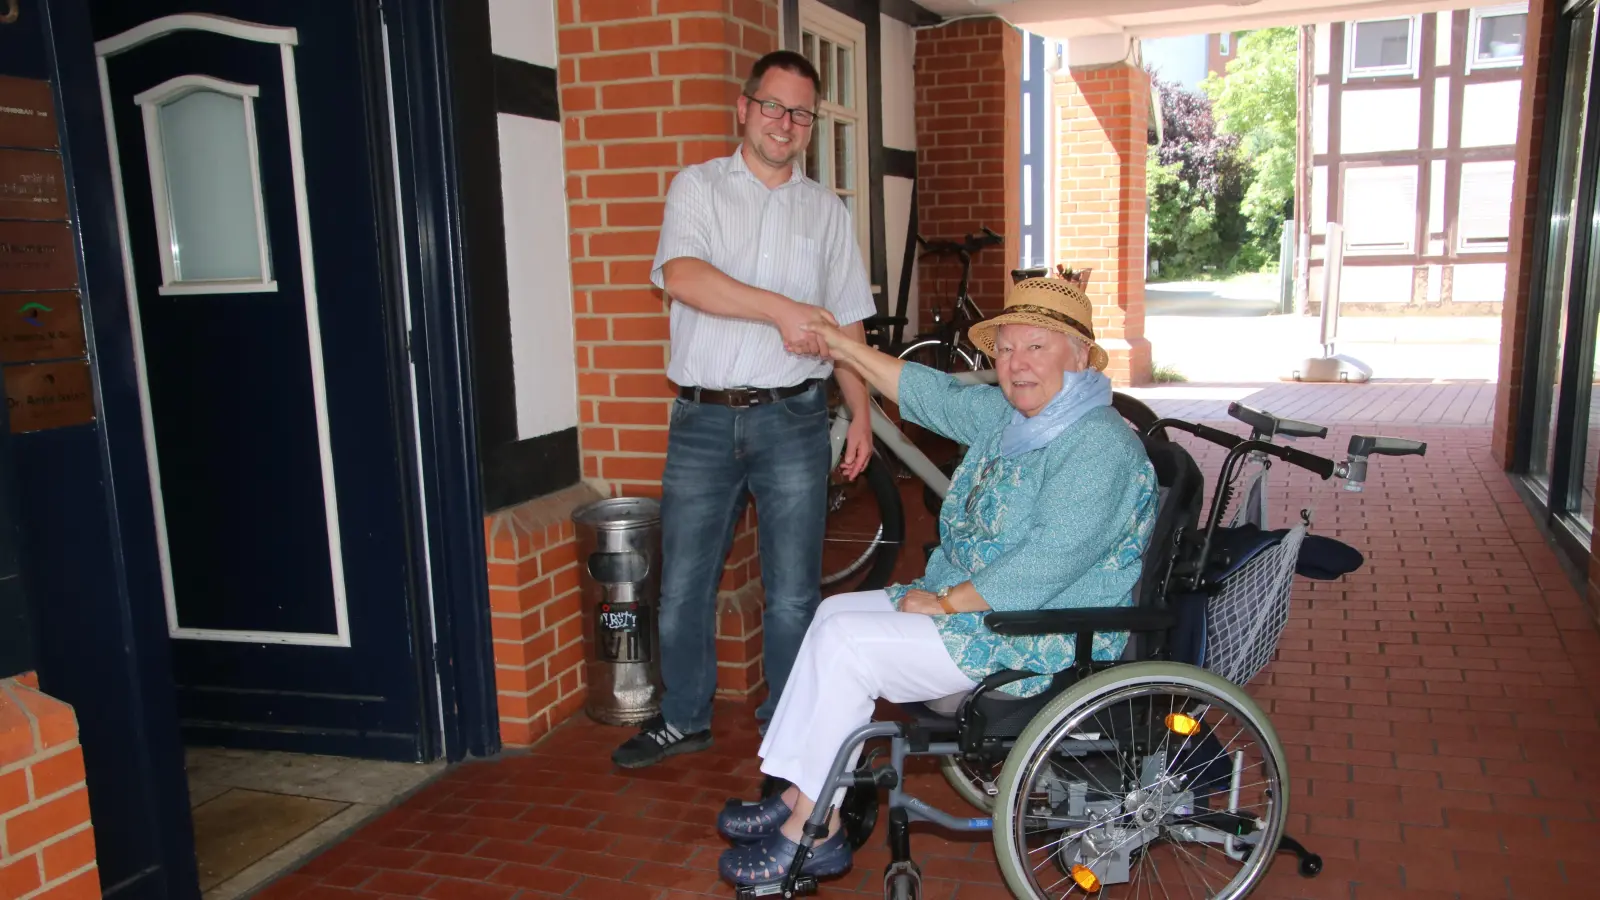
(740, 398)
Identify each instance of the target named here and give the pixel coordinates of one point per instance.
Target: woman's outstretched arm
(881, 370)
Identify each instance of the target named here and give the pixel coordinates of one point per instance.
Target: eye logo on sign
(30, 313)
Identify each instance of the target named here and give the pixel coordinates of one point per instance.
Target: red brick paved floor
(1438, 709)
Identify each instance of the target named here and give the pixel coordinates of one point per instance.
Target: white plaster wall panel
(524, 30)
(1319, 199)
(1479, 283)
(1489, 113)
(1436, 177)
(1375, 284)
(538, 273)
(1441, 38)
(1373, 121)
(1441, 113)
(897, 45)
(1319, 119)
(1321, 43)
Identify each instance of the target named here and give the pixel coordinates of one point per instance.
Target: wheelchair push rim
(1150, 778)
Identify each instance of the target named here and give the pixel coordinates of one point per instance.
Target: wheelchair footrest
(804, 886)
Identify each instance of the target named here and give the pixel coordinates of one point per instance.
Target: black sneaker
(656, 741)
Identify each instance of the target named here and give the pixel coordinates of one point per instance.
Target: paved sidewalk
(1439, 711)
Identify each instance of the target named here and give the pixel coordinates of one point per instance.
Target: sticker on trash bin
(623, 632)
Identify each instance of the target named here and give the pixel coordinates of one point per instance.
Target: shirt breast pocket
(804, 276)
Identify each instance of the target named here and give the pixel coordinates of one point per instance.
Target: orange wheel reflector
(1085, 878)
(1178, 723)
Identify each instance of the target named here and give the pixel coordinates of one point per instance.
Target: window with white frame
(837, 155)
(205, 181)
(1496, 36)
(1382, 47)
(1379, 209)
(1483, 211)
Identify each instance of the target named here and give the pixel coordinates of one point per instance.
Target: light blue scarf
(1080, 392)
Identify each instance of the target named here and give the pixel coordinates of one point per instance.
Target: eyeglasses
(772, 109)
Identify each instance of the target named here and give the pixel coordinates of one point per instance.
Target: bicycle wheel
(1143, 775)
(866, 526)
(974, 781)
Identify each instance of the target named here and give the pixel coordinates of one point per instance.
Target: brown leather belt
(740, 398)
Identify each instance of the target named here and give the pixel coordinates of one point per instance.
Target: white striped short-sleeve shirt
(797, 240)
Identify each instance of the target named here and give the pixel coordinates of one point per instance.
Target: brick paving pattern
(1437, 709)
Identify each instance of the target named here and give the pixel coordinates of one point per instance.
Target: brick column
(46, 840)
(1101, 116)
(648, 87)
(969, 153)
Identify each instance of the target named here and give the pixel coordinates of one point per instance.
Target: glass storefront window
(1565, 227)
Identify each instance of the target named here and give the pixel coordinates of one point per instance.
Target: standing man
(751, 252)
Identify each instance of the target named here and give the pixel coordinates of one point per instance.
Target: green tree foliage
(1256, 101)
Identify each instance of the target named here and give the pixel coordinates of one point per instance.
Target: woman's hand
(831, 335)
(922, 603)
(962, 598)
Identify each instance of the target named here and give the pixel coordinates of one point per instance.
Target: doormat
(239, 828)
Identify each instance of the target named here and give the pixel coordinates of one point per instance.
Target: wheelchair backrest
(1181, 497)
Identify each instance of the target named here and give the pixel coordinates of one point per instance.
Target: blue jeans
(778, 452)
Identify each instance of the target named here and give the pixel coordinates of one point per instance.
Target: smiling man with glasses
(751, 252)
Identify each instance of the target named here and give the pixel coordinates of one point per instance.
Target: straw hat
(1053, 303)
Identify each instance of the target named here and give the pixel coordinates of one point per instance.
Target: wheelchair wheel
(975, 781)
(1143, 775)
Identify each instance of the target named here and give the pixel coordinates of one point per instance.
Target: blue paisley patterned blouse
(1060, 527)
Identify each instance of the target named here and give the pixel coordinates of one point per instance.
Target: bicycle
(946, 343)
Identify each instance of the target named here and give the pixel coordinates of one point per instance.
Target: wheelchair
(1148, 768)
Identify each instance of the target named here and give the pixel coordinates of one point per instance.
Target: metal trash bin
(619, 546)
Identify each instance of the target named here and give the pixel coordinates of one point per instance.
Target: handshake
(809, 330)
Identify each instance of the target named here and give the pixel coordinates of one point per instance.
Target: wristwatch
(944, 601)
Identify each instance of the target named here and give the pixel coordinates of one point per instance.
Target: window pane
(1500, 37)
(1551, 334)
(1379, 207)
(1382, 45)
(1484, 215)
(846, 76)
(826, 48)
(808, 46)
(818, 150)
(211, 194)
(844, 144)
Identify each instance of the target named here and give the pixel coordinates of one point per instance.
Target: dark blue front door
(251, 144)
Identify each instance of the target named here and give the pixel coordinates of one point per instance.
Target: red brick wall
(968, 101)
(1100, 122)
(1525, 187)
(534, 603)
(647, 88)
(46, 840)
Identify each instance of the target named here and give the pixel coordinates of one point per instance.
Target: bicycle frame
(894, 440)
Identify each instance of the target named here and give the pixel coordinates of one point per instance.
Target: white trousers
(859, 648)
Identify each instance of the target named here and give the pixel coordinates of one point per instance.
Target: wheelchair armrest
(1074, 621)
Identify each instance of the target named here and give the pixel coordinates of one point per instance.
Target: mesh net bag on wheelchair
(1246, 617)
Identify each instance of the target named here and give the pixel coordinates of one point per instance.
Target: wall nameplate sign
(49, 395)
(27, 113)
(32, 185)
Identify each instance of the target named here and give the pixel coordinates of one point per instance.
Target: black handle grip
(1372, 445)
(1204, 432)
(1308, 461)
(1269, 425)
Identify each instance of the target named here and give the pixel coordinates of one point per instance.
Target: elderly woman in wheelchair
(1076, 630)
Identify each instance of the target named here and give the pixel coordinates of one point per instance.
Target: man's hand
(921, 602)
(857, 448)
(791, 318)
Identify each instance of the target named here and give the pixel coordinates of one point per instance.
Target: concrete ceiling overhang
(1123, 20)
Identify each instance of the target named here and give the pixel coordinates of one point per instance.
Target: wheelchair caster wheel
(1311, 866)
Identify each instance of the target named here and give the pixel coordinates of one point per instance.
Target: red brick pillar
(648, 87)
(46, 840)
(969, 153)
(1101, 117)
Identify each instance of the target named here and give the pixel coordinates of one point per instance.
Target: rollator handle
(1362, 446)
